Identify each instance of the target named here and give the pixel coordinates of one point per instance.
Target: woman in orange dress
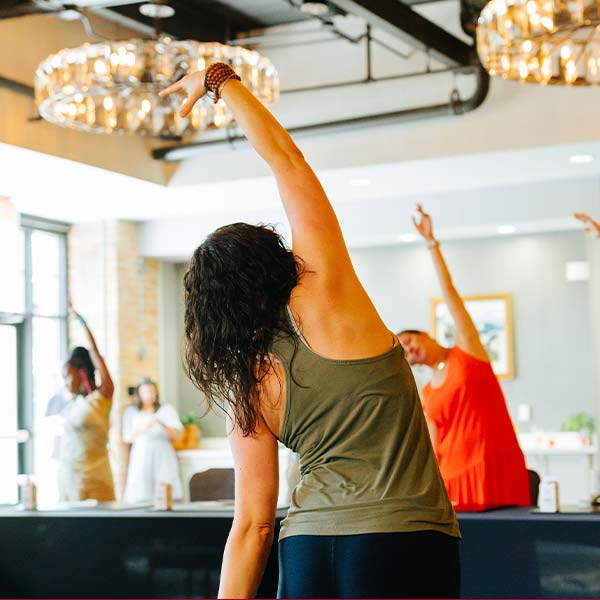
(474, 438)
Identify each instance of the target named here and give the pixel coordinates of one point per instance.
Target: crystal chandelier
(111, 87)
(541, 41)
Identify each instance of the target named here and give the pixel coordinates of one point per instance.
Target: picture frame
(492, 315)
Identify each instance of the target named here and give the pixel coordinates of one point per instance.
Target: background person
(149, 427)
(84, 468)
(475, 441)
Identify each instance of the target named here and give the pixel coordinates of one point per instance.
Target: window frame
(29, 224)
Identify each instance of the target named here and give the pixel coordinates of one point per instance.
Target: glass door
(10, 436)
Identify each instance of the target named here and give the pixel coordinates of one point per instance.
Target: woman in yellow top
(84, 471)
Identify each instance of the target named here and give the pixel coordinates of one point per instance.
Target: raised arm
(317, 236)
(256, 489)
(466, 336)
(106, 387)
(590, 225)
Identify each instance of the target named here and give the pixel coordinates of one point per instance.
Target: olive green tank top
(366, 460)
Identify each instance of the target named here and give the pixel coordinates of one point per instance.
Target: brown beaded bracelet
(216, 76)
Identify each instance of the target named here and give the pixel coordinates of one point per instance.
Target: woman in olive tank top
(291, 345)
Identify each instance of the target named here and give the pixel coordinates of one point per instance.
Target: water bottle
(548, 496)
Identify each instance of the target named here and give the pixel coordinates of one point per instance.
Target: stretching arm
(466, 336)
(317, 236)
(106, 387)
(590, 225)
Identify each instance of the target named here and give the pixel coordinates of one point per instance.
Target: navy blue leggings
(423, 564)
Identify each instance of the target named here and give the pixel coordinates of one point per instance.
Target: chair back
(534, 486)
(214, 484)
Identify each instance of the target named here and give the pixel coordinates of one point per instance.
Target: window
(8, 413)
(33, 344)
(12, 272)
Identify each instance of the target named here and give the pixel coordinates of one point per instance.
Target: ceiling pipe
(400, 20)
(455, 106)
(16, 86)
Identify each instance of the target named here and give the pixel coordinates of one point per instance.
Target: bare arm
(317, 236)
(106, 387)
(256, 491)
(466, 337)
(172, 432)
(590, 225)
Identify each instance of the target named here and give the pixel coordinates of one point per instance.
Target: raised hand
(424, 225)
(192, 85)
(76, 315)
(591, 226)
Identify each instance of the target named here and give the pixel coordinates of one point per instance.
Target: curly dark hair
(81, 360)
(237, 288)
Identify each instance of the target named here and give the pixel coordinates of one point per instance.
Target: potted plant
(582, 422)
(191, 432)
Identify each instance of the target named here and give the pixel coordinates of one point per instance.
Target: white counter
(567, 456)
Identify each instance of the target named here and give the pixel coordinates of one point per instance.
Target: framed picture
(492, 315)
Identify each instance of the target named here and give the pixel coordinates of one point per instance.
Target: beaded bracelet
(216, 76)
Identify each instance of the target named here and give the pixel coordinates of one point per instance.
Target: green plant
(190, 418)
(581, 421)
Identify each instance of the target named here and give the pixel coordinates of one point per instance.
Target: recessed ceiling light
(407, 237)
(360, 182)
(581, 159)
(506, 229)
(316, 9)
(157, 11)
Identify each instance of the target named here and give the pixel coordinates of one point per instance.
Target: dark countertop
(568, 514)
(194, 510)
(198, 510)
(143, 553)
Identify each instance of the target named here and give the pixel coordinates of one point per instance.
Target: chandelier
(112, 87)
(541, 41)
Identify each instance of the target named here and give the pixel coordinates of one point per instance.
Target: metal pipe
(402, 21)
(453, 107)
(279, 36)
(16, 86)
(327, 86)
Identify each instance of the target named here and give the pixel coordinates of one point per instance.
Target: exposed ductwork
(10, 9)
(469, 13)
(401, 20)
(20, 8)
(15, 86)
(392, 16)
(455, 106)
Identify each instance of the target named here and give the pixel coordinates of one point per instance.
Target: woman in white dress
(149, 427)
(84, 468)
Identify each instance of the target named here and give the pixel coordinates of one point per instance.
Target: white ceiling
(505, 163)
(536, 189)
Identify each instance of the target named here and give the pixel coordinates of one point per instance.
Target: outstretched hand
(424, 225)
(75, 314)
(192, 85)
(85, 326)
(591, 226)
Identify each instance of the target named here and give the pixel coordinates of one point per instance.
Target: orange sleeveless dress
(477, 448)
